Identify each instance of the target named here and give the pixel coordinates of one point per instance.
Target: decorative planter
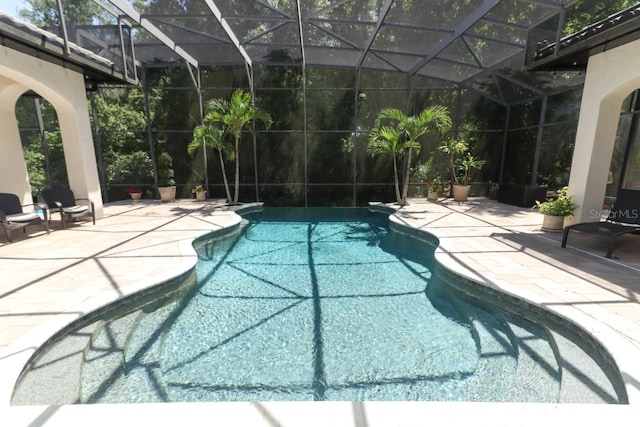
(461, 193)
(135, 196)
(167, 194)
(201, 195)
(552, 223)
(432, 196)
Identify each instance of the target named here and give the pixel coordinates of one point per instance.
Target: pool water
(313, 310)
(325, 304)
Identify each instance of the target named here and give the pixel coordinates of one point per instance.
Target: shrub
(562, 205)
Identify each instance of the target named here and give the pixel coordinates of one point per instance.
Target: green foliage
(44, 13)
(461, 162)
(165, 170)
(585, 13)
(123, 136)
(386, 140)
(131, 169)
(454, 148)
(122, 126)
(35, 168)
(211, 136)
(397, 135)
(56, 155)
(40, 177)
(562, 205)
(467, 164)
(234, 116)
(423, 171)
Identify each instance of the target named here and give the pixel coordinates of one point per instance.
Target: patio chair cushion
(76, 209)
(23, 217)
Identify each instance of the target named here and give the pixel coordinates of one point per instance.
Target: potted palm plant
(460, 160)
(555, 210)
(467, 164)
(455, 148)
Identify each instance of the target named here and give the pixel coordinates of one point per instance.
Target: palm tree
(386, 140)
(212, 137)
(408, 130)
(235, 116)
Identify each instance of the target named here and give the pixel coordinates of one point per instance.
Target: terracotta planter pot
(552, 223)
(201, 195)
(432, 196)
(167, 194)
(461, 193)
(135, 196)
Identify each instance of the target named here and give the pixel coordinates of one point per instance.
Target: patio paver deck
(49, 280)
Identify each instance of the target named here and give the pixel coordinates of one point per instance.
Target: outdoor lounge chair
(62, 200)
(13, 217)
(623, 218)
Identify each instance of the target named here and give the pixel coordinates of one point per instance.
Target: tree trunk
(396, 182)
(237, 175)
(405, 184)
(224, 177)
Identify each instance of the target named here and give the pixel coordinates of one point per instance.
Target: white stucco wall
(65, 90)
(611, 77)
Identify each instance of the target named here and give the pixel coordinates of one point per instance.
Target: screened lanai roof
(477, 44)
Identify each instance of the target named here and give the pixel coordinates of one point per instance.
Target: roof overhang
(28, 39)
(573, 51)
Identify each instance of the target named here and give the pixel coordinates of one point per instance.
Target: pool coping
(623, 352)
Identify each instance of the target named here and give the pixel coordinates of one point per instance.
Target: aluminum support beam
(459, 31)
(135, 16)
(227, 29)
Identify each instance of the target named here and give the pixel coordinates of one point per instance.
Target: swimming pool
(321, 304)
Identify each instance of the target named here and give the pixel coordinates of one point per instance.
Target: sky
(12, 6)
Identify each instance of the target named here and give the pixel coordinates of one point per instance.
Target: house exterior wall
(611, 76)
(65, 90)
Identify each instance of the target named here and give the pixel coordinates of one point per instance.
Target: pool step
(538, 375)
(497, 363)
(124, 353)
(102, 376)
(56, 374)
(584, 380)
(142, 356)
